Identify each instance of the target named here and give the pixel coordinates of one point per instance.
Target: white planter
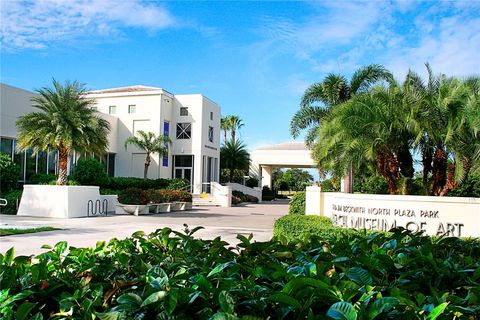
(178, 206)
(57, 201)
(159, 207)
(134, 209)
(188, 206)
(111, 202)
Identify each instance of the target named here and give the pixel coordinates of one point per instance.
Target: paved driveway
(81, 232)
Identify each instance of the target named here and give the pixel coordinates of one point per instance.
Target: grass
(12, 231)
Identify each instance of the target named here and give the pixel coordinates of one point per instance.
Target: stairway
(209, 200)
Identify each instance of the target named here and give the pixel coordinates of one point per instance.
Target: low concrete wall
(222, 193)
(57, 201)
(256, 192)
(453, 216)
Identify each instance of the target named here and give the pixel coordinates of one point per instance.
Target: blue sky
(254, 59)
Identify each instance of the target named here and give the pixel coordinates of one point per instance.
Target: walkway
(82, 232)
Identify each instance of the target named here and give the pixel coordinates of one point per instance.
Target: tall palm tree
(150, 144)
(333, 90)
(224, 125)
(234, 123)
(65, 122)
(233, 157)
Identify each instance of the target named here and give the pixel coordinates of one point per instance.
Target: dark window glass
(6, 146)
(210, 134)
(52, 157)
(42, 162)
(111, 164)
(184, 111)
(19, 158)
(166, 133)
(183, 161)
(184, 130)
(31, 165)
(211, 115)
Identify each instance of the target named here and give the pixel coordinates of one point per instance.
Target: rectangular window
(111, 165)
(112, 110)
(132, 108)
(166, 133)
(210, 134)
(184, 130)
(211, 115)
(183, 111)
(6, 146)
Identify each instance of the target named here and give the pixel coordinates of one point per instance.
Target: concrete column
(267, 176)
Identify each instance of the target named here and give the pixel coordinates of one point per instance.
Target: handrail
(3, 202)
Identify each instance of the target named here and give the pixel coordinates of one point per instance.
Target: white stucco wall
(14, 102)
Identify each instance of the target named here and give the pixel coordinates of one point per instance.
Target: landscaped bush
(251, 182)
(374, 185)
(171, 275)
(89, 172)
(165, 195)
(42, 178)
(236, 200)
(120, 183)
(267, 194)
(12, 197)
(242, 197)
(9, 173)
(177, 184)
(297, 204)
(470, 188)
(295, 227)
(133, 196)
(329, 185)
(251, 199)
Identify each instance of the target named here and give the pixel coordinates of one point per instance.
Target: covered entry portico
(284, 155)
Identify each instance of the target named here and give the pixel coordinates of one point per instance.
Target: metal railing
(3, 202)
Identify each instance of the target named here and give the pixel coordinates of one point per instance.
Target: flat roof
(136, 88)
(285, 146)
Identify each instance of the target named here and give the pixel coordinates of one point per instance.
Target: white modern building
(192, 122)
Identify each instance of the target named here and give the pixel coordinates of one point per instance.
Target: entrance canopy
(283, 155)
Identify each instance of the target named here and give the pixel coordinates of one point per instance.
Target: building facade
(191, 121)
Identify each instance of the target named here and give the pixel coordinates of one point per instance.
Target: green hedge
(9, 173)
(172, 275)
(11, 198)
(297, 227)
(297, 204)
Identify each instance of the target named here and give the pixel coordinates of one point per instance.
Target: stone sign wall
(452, 216)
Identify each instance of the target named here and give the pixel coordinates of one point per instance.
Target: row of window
(133, 109)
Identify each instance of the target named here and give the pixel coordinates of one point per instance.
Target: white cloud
(38, 24)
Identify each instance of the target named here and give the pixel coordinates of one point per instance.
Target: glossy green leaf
(438, 310)
(154, 297)
(24, 310)
(130, 298)
(342, 311)
(359, 275)
(226, 302)
(112, 315)
(382, 305)
(219, 268)
(285, 299)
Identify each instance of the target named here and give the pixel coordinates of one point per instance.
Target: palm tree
(66, 122)
(234, 123)
(224, 125)
(333, 90)
(444, 123)
(150, 144)
(234, 156)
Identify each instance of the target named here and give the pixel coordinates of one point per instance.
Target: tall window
(132, 108)
(210, 134)
(184, 130)
(166, 133)
(183, 111)
(112, 109)
(211, 115)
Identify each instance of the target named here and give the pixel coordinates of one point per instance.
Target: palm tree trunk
(388, 168)
(148, 160)
(439, 170)
(224, 135)
(62, 167)
(427, 157)
(233, 135)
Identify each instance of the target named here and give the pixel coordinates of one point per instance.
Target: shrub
(120, 183)
(89, 172)
(165, 195)
(239, 194)
(12, 197)
(251, 182)
(299, 227)
(374, 185)
(132, 196)
(172, 275)
(42, 178)
(252, 199)
(470, 188)
(267, 194)
(297, 204)
(177, 184)
(329, 185)
(9, 173)
(236, 200)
